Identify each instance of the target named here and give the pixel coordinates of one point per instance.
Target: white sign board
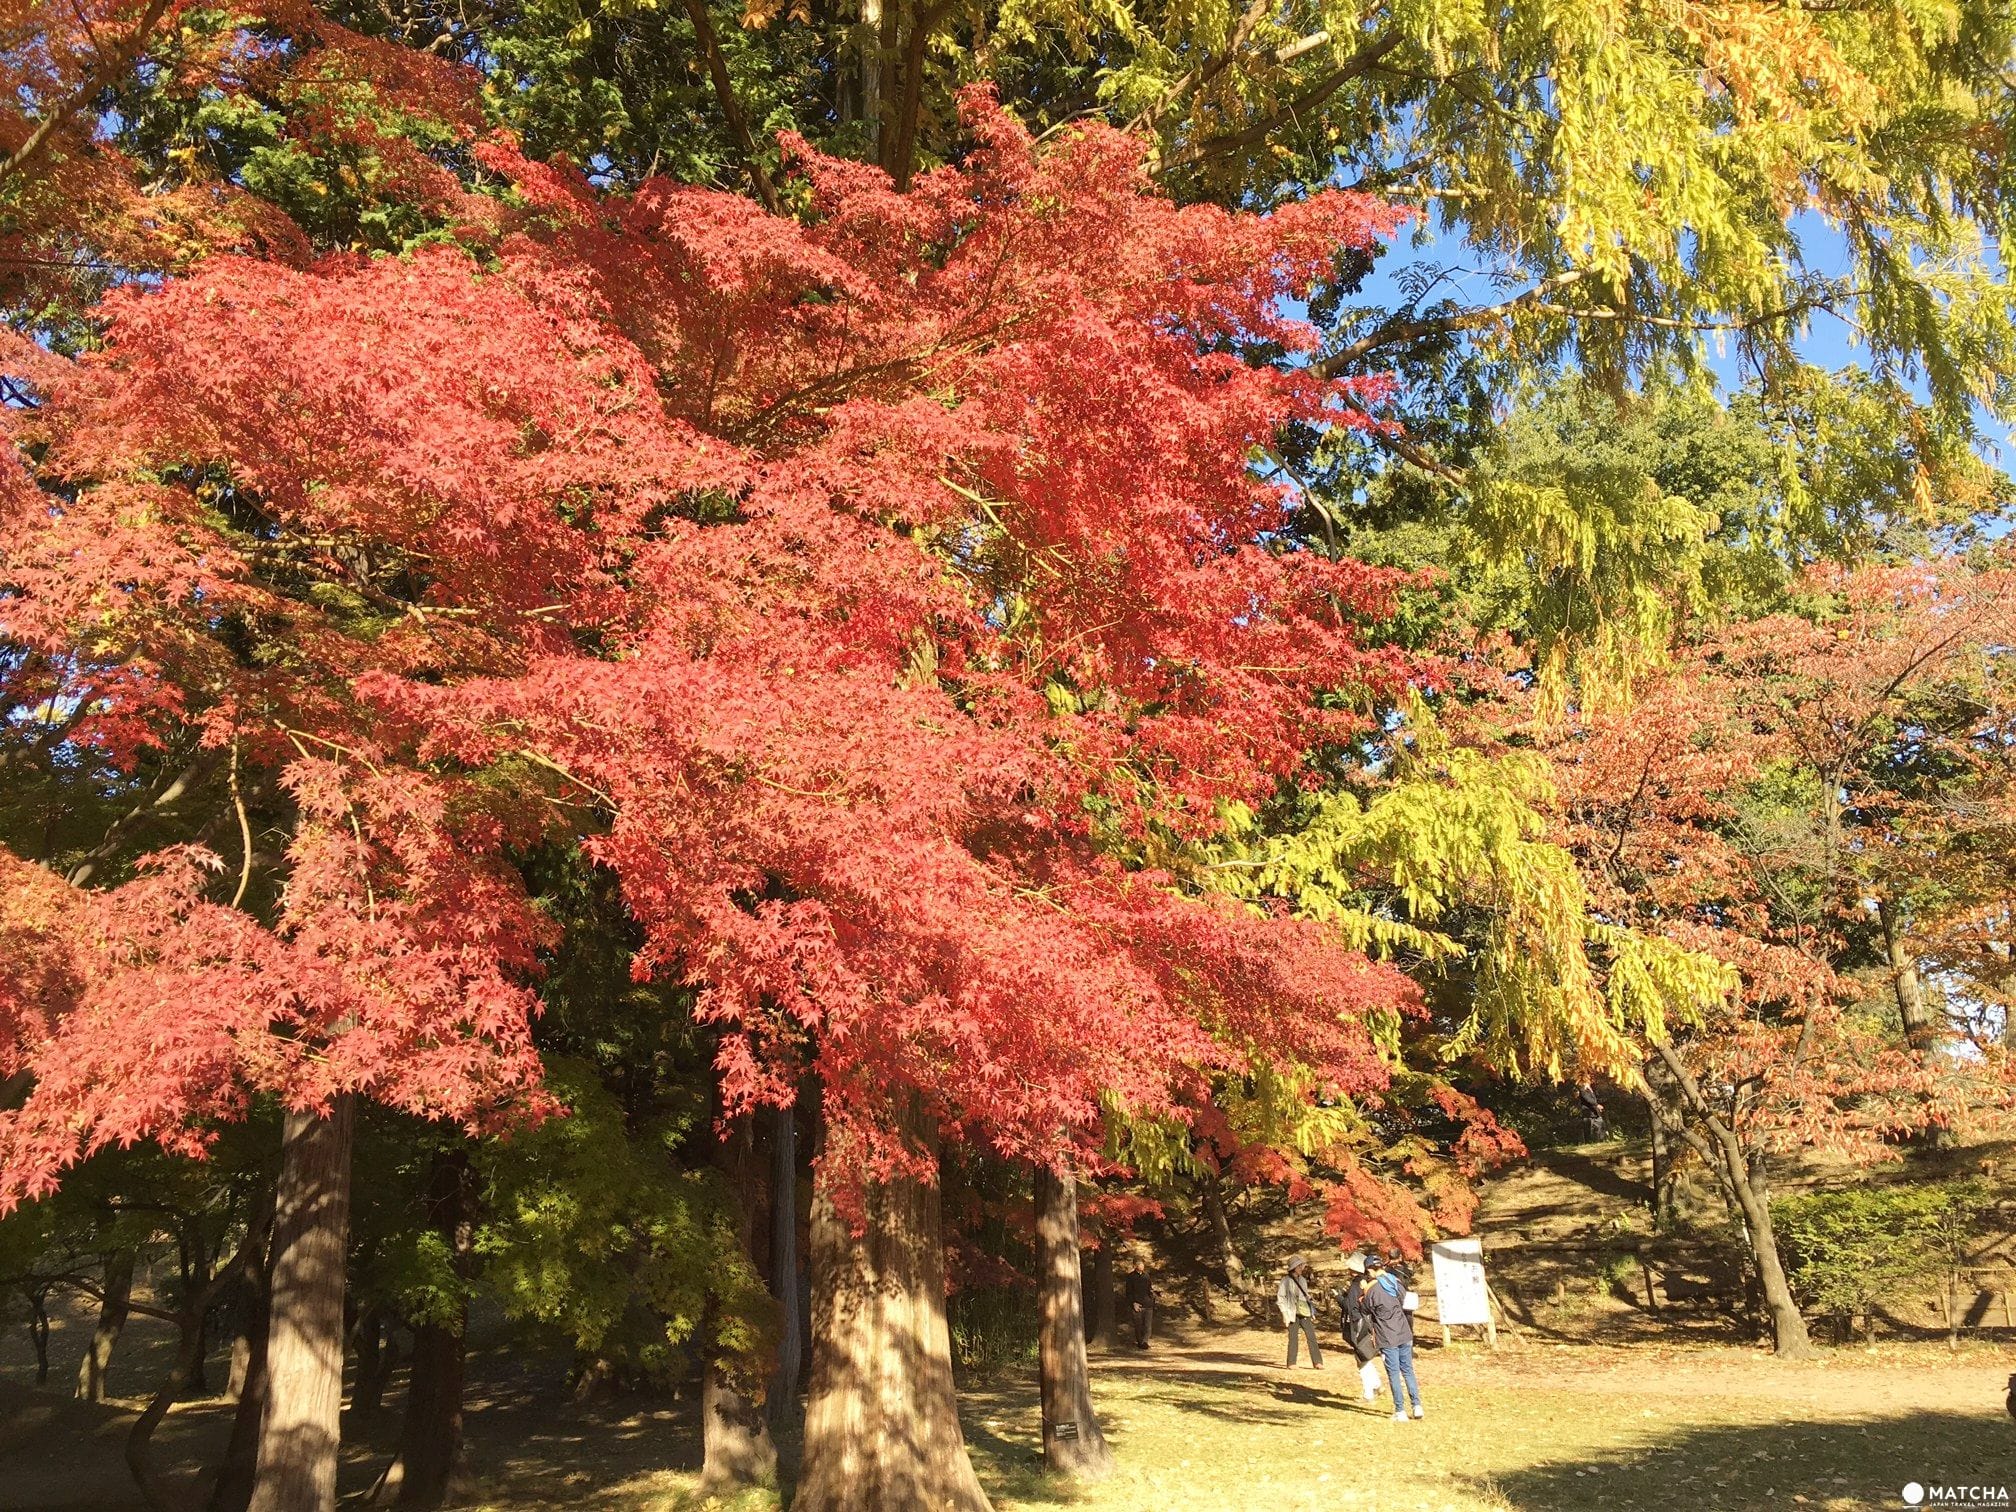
(1460, 1294)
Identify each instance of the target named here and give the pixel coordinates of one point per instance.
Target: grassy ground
(1547, 1430)
(1209, 1422)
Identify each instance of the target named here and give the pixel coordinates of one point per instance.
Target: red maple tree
(879, 583)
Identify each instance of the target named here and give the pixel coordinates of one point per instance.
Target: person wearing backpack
(1358, 1328)
(1386, 1296)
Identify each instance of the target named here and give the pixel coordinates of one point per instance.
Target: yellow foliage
(1455, 832)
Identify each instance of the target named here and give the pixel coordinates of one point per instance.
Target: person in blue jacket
(1358, 1328)
(1386, 1302)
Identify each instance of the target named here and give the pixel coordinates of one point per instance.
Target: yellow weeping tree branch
(1455, 829)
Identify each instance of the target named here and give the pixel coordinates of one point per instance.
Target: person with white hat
(1298, 1310)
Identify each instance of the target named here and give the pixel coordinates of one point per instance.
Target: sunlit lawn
(1210, 1423)
(1210, 1440)
(1549, 1429)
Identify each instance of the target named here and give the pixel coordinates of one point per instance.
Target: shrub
(993, 1328)
(1849, 1250)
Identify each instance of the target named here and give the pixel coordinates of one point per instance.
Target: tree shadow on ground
(1233, 1397)
(1832, 1466)
(1011, 1467)
(1595, 1166)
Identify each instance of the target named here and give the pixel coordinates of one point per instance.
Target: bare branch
(1394, 332)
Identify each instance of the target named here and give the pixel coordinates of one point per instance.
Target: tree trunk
(1221, 1232)
(1660, 1199)
(249, 1381)
(242, 1268)
(1072, 1440)
(38, 1332)
(235, 1478)
(97, 1361)
(196, 1262)
(431, 1467)
(736, 1450)
(881, 1419)
(1103, 1314)
(1789, 1338)
(1919, 1019)
(375, 1359)
(139, 1438)
(871, 71)
(1788, 1328)
(241, 1363)
(1920, 1025)
(784, 1269)
(302, 1429)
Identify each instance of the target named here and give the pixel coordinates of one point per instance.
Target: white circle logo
(1913, 1493)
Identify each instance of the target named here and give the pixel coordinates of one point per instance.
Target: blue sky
(1827, 340)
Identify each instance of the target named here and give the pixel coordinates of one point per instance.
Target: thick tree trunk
(1921, 1030)
(1072, 1440)
(881, 1419)
(431, 1467)
(784, 1282)
(1221, 1232)
(302, 1428)
(97, 1361)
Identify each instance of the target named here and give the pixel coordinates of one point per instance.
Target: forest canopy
(654, 650)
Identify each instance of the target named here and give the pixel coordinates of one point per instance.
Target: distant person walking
(1358, 1328)
(1141, 1305)
(1592, 1110)
(1298, 1310)
(1386, 1295)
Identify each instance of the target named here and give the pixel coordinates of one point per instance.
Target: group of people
(1378, 1316)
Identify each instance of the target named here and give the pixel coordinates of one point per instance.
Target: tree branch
(1358, 64)
(731, 107)
(195, 772)
(1394, 332)
(1204, 72)
(111, 66)
(1416, 456)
